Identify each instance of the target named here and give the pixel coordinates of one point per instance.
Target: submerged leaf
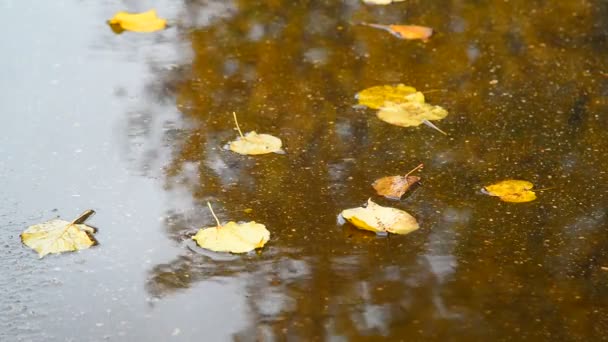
(381, 219)
(253, 143)
(57, 236)
(376, 97)
(233, 237)
(512, 190)
(138, 22)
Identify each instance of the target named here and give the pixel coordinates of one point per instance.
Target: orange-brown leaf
(411, 31)
(394, 187)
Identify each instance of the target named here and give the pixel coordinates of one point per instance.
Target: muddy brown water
(134, 125)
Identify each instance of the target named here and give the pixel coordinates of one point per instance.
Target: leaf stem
(432, 91)
(414, 169)
(212, 213)
(430, 124)
(543, 189)
(83, 217)
(238, 128)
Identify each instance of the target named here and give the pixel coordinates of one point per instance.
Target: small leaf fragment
(57, 236)
(375, 97)
(233, 237)
(511, 190)
(253, 143)
(138, 22)
(381, 219)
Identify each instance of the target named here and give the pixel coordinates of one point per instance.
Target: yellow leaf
(233, 237)
(410, 32)
(253, 143)
(138, 22)
(57, 236)
(381, 219)
(409, 114)
(376, 97)
(512, 190)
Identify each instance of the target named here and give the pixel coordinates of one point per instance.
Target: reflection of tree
(291, 69)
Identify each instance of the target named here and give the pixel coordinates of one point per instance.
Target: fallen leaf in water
(138, 22)
(380, 2)
(401, 105)
(232, 237)
(409, 32)
(253, 143)
(512, 190)
(57, 236)
(381, 219)
(376, 97)
(393, 187)
(412, 113)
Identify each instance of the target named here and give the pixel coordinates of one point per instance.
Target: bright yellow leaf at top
(57, 236)
(232, 237)
(376, 97)
(138, 22)
(379, 219)
(512, 190)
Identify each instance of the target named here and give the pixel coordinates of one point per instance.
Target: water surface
(134, 125)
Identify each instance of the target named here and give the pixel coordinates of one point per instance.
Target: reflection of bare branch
(291, 69)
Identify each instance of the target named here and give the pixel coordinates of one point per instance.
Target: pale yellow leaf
(379, 219)
(57, 236)
(233, 237)
(411, 113)
(253, 143)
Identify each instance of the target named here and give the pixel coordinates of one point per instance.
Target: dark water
(133, 126)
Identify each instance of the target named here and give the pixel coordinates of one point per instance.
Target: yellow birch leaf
(412, 113)
(57, 236)
(379, 219)
(233, 237)
(376, 97)
(253, 143)
(516, 191)
(138, 22)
